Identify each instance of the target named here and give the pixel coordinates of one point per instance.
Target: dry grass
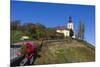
(63, 52)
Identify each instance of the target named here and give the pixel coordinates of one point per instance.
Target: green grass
(16, 35)
(75, 55)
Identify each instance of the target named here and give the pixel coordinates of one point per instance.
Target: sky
(54, 14)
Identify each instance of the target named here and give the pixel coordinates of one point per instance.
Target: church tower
(70, 23)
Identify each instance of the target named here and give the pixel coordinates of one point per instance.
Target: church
(66, 31)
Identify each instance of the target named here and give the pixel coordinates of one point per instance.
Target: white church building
(66, 31)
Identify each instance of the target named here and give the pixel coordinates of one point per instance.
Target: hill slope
(66, 51)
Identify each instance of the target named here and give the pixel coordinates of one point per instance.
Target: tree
(40, 25)
(50, 33)
(36, 31)
(71, 33)
(15, 25)
(81, 31)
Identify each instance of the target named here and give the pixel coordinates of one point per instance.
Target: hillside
(66, 51)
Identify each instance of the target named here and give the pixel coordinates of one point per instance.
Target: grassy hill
(66, 51)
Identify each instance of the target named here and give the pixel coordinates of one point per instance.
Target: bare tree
(15, 25)
(81, 30)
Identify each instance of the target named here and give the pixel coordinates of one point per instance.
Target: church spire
(70, 19)
(70, 24)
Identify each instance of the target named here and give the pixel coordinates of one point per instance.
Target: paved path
(13, 52)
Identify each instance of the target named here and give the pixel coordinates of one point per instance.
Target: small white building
(66, 30)
(24, 38)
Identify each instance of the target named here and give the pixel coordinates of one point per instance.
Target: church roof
(62, 28)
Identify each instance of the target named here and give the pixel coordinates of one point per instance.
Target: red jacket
(30, 48)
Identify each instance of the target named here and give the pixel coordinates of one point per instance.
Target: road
(13, 52)
(14, 60)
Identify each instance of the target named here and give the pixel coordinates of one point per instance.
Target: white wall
(70, 26)
(85, 2)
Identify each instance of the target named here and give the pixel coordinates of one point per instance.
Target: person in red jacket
(27, 49)
(30, 49)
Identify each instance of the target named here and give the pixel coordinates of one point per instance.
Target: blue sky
(52, 15)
